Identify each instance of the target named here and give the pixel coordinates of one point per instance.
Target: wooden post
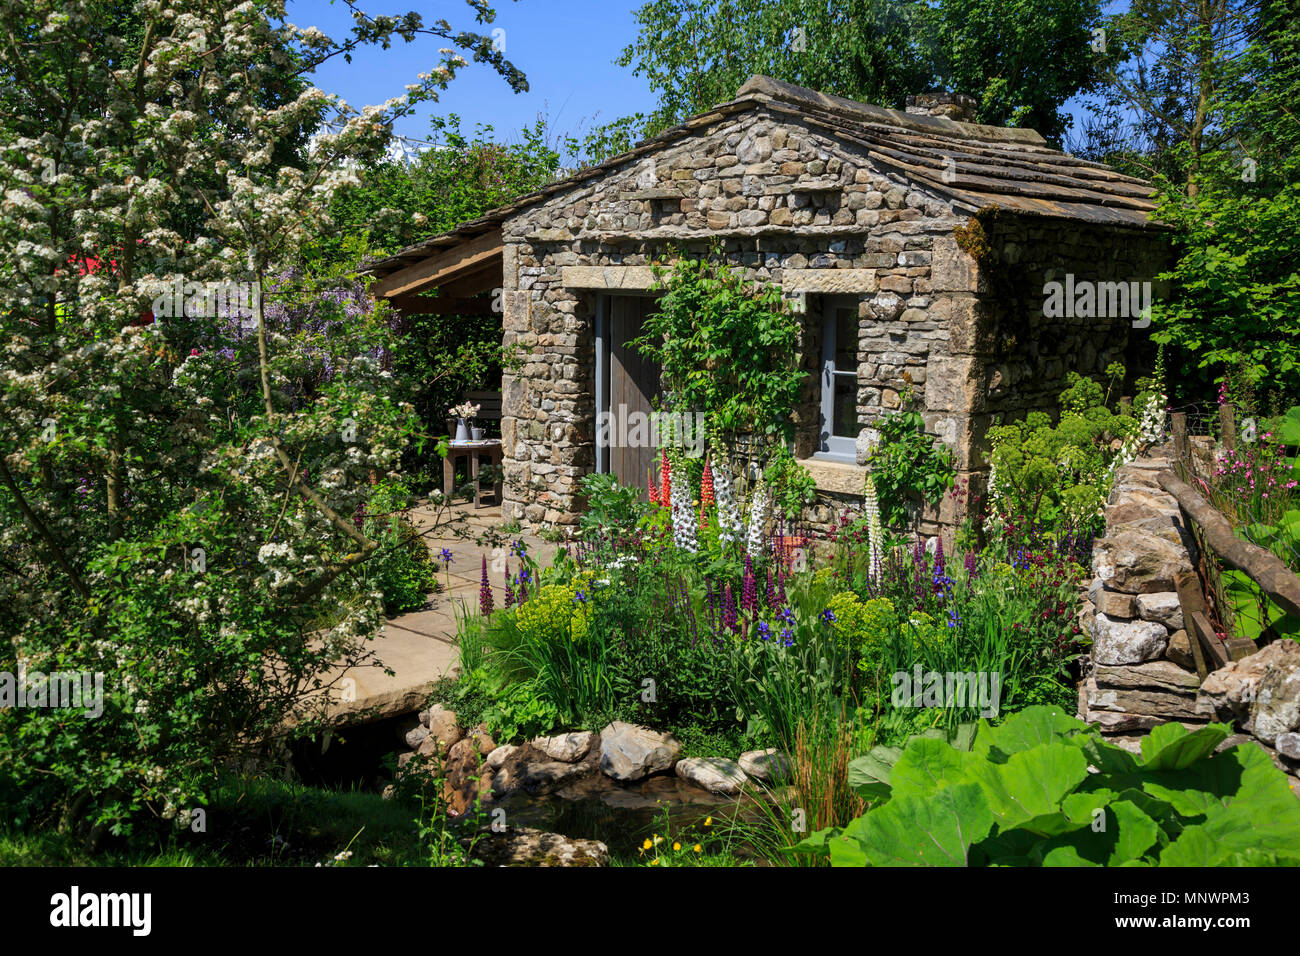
(1210, 640)
(1228, 426)
(1262, 566)
(1191, 601)
(1182, 451)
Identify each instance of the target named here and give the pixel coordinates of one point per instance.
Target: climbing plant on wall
(727, 347)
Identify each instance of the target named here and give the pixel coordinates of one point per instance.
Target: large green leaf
(1243, 825)
(1029, 728)
(1241, 773)
(1121, 835)
(927, 765)
(1171, 747)
(869, 775)
(1032, 783)
(938, 830)
(1066, 856)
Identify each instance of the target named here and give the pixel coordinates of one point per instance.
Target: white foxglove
(682, 514)
(757, 520)
(875, 535)
(728, 513)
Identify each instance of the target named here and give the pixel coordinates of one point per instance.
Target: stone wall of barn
(780, 196)
(1009, 357)
(785, 201)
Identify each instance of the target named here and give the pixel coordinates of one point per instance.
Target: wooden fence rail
(1261, 565)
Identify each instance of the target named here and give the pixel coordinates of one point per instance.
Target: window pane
(846, 406)
(846, 339)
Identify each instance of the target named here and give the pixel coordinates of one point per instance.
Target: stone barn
(973, 262)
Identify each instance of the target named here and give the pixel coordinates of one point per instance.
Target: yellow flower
(697, 848)
(676, 845)
(708, 821)
(655, 861)
(658, 839)
(646, 845)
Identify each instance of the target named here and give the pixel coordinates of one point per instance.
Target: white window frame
(833, 447)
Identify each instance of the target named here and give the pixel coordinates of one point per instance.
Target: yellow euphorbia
(553, 614)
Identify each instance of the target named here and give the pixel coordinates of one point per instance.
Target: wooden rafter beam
(470, 256)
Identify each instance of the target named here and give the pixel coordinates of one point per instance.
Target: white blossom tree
(168, 518)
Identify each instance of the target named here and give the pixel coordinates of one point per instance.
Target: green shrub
(402, 568)
(1059, 474)
(909, 467)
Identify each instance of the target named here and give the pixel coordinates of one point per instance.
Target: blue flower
(519, 548)
(445, 555)
(764, 631)
(828, 616)
(580, 597)
(788, 636)
(785, 614)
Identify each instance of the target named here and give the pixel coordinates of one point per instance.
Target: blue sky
(565, 47)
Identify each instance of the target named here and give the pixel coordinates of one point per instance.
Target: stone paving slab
(420, 646)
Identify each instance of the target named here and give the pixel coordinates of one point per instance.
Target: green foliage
(790, 484)
(463, 176)
(1022, 795)
(402, 568)
(1215, 103)
(1057, 474)
(726, 347)
(519, 711)
(1021, 63)
(191, 520)
(908, 466)
(611, 507)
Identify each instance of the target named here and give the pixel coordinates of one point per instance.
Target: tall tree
(1234, 308)
(1021, 60)
(1163, 104)
(170, 517)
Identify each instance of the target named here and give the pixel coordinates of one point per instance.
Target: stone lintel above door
(641, 278)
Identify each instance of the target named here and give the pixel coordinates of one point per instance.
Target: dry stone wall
(1140, 671)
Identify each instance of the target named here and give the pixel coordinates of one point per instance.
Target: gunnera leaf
(927, 765)
(1171, 747)
(1031, 783)
(1029, 728)
(935, 830)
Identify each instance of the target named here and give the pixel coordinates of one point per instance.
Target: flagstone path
(420, 646)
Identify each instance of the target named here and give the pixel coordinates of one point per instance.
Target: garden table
(474, 452)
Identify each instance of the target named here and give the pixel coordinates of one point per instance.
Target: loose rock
(630, 752)
(766, 766)
(717, 774)
(569, 748)
(1163, 607)
(1127, 642)
(524, 846)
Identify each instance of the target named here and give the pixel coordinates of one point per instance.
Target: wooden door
(633, 388)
